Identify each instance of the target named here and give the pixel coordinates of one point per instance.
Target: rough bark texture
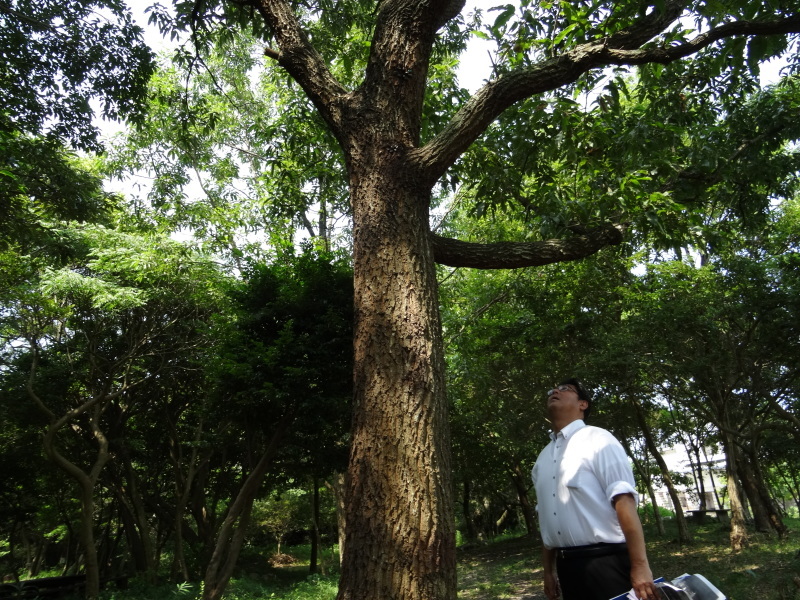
(400, 525)
(511, 255)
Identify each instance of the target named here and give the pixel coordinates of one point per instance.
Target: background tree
(94, 330)
(284, 381)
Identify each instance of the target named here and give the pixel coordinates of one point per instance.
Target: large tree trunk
(400, 525)
(757, 507)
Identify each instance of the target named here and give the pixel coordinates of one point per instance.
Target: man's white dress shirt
(576, 477)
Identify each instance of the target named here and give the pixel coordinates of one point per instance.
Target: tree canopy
(59, 57)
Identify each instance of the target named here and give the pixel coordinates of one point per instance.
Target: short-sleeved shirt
(576, 477)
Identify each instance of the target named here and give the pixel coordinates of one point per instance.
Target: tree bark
(92, 409)
(400, 525)
(644, 476)
(511, 255)
(466, 510)
(738, 536)
(758, 493)
(315, 532)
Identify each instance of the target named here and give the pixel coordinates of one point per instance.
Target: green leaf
(564, 33)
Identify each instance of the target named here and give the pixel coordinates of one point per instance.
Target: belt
(591, 550)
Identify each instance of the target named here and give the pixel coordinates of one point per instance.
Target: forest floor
(510, 569)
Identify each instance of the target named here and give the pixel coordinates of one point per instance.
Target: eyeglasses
(561, 388)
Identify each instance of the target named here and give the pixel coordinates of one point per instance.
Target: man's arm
(641, 575)
(551, 588)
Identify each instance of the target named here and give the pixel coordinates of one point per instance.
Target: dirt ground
(507, 570)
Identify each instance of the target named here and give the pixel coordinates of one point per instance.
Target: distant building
(713, 480)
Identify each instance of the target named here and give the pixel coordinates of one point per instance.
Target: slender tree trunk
(648, 482)
(86, 485)
(183, 488)
(644, 475)
(466, 510)
(91, 565)
(92, 409)
(336, 486)
(519, 478)
(230, 537)
(315, 535)
(400, 525)
(137, 527)
(712, 479)
(697, 472)
(684, 535)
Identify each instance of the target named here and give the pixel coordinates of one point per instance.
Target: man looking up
(593, 541)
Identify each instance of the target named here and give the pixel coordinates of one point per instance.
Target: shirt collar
(570, 429)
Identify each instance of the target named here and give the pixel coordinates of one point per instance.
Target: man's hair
(583, 394)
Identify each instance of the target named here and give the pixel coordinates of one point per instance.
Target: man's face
(563, 400)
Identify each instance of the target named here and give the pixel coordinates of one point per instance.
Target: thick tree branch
(513, 255)
(301, 60)
(444, 10)
(620, 49)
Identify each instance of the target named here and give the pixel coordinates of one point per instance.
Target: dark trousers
(594, 578)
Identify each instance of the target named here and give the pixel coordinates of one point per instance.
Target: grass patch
(767, 569)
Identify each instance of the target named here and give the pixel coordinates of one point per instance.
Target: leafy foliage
(59, 56)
